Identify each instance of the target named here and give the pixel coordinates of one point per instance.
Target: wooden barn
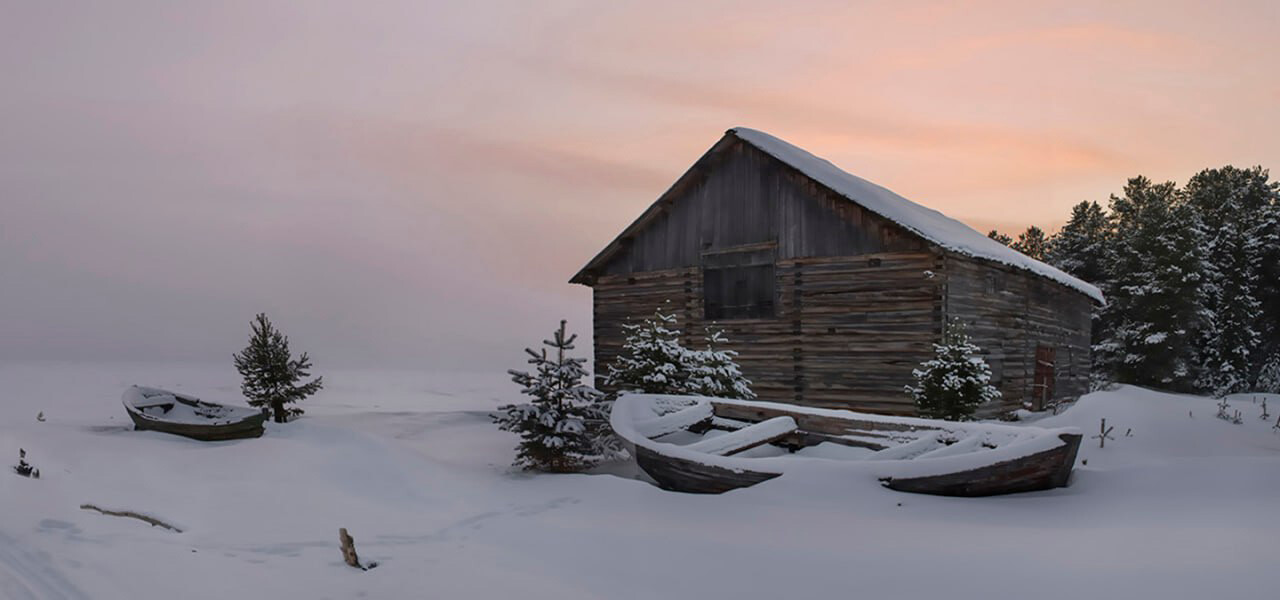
(831, 288)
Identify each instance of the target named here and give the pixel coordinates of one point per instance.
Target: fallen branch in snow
(132, 515)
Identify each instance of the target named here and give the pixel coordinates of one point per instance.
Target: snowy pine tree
(563, 428)
(1155, 296)
(1032, 242)
(652, 360)
(1234, 206)
(1229, 338)
(1268, 380)
(1267, 232)
(1000, 237)
(714, 372)
(1081, 249)
(271, 374)
(956, 381)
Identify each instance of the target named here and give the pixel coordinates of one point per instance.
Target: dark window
(995, 283)
(739, 292)
(997, 369)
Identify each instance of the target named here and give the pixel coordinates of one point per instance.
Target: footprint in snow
(534, 509)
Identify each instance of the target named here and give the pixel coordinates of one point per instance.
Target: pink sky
(413, 184)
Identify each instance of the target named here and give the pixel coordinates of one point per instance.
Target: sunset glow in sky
(412, 184)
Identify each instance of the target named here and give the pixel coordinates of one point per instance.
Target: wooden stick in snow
(348, 548)
(1104, 434)
(154, 522)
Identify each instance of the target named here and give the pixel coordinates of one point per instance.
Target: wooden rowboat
(180, 414)
(712, 445)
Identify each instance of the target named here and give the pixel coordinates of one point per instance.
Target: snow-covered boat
(712, 445)
(180, 414)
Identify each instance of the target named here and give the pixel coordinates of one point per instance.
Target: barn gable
(749, 172)
(702, 216)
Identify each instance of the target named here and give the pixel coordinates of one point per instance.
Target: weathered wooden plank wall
(847, 334)
(747, 197)
(1009, 312)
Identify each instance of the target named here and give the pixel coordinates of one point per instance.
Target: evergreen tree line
(1191, 275)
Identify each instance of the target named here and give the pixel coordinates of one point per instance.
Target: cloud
(1084, 38)
(414, 182)
(825, 119)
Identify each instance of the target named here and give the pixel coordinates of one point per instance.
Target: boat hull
(1040, 471)
(1045, 462)
(680, 475)
(251, 427)
(179, 411)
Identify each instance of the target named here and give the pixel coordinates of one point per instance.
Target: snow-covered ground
(1187, 506)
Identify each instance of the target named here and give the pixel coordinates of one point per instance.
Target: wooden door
(1042, 384)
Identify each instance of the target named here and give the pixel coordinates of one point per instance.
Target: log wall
(849, 330)
(743, 197)
(1009, 312)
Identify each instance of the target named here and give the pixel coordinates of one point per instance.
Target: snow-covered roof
(927, 223)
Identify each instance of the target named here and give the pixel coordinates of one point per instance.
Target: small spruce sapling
(714, 372)
(563, 428)
(653, 361)
(955, 381)
(24, 468)
(271, 374)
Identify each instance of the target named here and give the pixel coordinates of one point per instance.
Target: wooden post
(348, 548)
(1104, 434)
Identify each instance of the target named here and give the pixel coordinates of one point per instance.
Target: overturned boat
(712, 445)
(180, 414)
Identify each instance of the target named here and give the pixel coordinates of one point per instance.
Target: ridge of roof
(925, 222)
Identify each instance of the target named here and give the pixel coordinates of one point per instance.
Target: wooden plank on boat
(746, 438)
(830, 425)
(694, 416)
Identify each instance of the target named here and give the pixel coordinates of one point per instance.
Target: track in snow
(27, 574)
